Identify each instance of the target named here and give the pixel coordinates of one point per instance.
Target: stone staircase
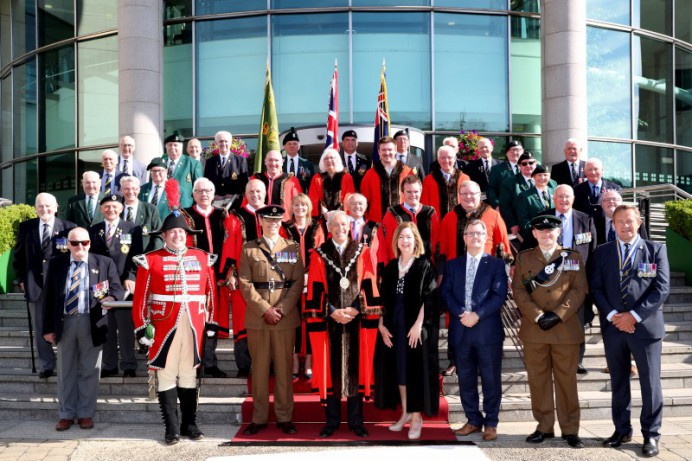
(26, 397)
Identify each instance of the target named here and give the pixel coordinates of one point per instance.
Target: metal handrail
(670, 188)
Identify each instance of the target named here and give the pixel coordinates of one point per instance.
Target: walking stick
(31, 337)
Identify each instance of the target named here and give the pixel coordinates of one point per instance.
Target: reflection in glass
(615, 11)
(608, 83)
(56, 175)
(403, 39)
(617, 161)
(96, 15)
(231, 58)
(653, 165)
(684, 170)
(6, 133)
(653, 84)
(98, 91)
(25, 182)
(178, 9)
(55, 21)
(56, 99)
(390, 2)
(279, 4)
(683, 96)
(24, 109)
(471, 52)
(87, 160)
(228, 6)
(177, 87)
(5, 33)
(6, 182)
(526, 78)
(528, 6)
(23, 27)
(304, 48)
(654, 15)
(481, 4)
(683, 25)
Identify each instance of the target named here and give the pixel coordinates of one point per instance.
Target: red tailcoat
(165, 282)
(383, 194)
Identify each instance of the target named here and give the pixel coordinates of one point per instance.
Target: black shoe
(129, 374)
(171, 439)
(45, 374)
(581, 370)
(650, 448)
(539, 437)
(253, 428)
(573, 440)
(327, 431)
(105, 373)
(617, 439)
(287, 427)
(360, 431)
(243, 373)
(214, 372)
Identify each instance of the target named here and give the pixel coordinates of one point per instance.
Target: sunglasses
(527, 163)
(84, 243)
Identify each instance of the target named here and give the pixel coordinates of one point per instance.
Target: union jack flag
(333, 117)
(381, 115)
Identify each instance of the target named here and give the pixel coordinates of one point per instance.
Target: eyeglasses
(527, 163)
(469, 194)
(84, 243)
(475, 234)
(204, 191)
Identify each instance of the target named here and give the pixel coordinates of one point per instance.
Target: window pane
(471, 52)
(56, 108)
(55, 21)
(617, 161)
(179, 9)
(403, 39)
(6, 99)
(228, 6)
(56, 175)
(655, 15)
(24, 111)
(684, 170)
(98, 91)
(5, 33)
(177, 87)
(529, 6)
(87, 160)
(653, 165)
(526, 76)
(97, 15)
(390, 2)
(23, 26)
(231, 57)
(653, 82)
(278, 4)
(25, 187)
(683, 25)
(7, 183)
(683, 96)
(615, 11)
(304, 48)
(608, 83)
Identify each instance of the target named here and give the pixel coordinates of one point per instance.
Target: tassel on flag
(269, 125)
(381, 115)
(332, 138)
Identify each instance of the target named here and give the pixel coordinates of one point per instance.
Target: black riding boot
(168, 401)
(188, 408)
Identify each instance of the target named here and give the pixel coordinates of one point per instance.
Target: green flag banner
(269, 125)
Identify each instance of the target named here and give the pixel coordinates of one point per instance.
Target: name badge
(570, 265)
(580, 239)
(192, 265)
(61, 244)
(646, 270)
(100, 289)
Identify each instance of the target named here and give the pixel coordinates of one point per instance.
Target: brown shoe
(467, 429)
(490, 433)
(64, 424)
(86, 423)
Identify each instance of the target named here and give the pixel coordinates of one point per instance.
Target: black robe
(422, 373)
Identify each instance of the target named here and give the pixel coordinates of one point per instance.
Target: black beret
(291, 136)
(349, 134)
(525, 156)
(513, 144)
(540, 169)
(156, 161)
(175, 137)
(401, 133)
(111, 198)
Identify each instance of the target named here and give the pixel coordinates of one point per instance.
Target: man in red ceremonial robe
(176, 291)
(281, 187)
(441, 185)
(342, 313)
(242, 226)
(382, 183)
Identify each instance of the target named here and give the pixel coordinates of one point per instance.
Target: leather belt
(178, 298)
(272, 285)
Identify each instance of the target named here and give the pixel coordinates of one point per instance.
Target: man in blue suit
(474, 288)
(630, 281)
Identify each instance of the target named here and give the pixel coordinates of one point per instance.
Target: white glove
(146, 342)
(211, 333)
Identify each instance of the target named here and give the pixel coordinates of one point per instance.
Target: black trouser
(354, 409)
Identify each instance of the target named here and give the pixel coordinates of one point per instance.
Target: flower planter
(679, 251)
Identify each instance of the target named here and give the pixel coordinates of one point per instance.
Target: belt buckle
(271, 286)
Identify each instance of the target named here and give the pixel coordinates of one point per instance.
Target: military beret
(175, 137)
(291, 136)
(525, 156)
(111, 198)
(512, 144)
(156, 162)
(540, 169)
(401, 133)
(546, 222)
(271, 211)
(349, 134)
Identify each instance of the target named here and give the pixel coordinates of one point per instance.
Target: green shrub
(10, 217)
(679, 217)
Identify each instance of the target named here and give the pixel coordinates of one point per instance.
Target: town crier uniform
(175, 296)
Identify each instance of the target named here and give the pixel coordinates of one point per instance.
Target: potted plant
(679, 236)
(10, 217)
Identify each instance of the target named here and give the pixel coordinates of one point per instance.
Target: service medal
(189, 178)
(145, 230)
(550, 269)
(124, 248)
(344, 283)
(234, 176)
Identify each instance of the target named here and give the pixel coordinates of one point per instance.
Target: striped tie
(90, 208)
(625, 274)
(72, 304)
(45, 238)
(563, 218)
(109, 236)
(155, 198)
(107, 187)
(130, 215)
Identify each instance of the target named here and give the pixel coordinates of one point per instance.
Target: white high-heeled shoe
(399, 425)
(414, 429)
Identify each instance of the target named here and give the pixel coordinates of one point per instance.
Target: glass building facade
(451, 65)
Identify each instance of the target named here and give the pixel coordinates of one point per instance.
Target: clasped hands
(548, 320)
(469, 319)
(273, 315)
(624, 322)
(344, 315)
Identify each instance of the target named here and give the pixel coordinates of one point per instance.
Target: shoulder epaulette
(212, 258)
(141, 261)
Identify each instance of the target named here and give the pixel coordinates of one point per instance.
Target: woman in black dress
(406, 355)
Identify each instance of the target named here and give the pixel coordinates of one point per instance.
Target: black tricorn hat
(291, 136)
(173, 221)
(271, 211)
(545, 222)
(175, 137)
(111, 198)
(156, 162)
(349, 134)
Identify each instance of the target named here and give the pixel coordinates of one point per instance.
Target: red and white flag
(332, 138)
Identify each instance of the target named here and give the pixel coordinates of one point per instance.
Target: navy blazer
(100, 269)
(562, 173)
(76, 211)
(476, 172)
(229, 179)
(582, 193)
(123, 261)
(487, 298)
(645, 295)
(30, 262)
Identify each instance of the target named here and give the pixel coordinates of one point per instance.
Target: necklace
(405, 267)
(343, 281)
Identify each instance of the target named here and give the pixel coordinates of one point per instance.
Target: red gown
(383, 191)
(450, 235)
(330, 193)
(427, 221)
(441, 195)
